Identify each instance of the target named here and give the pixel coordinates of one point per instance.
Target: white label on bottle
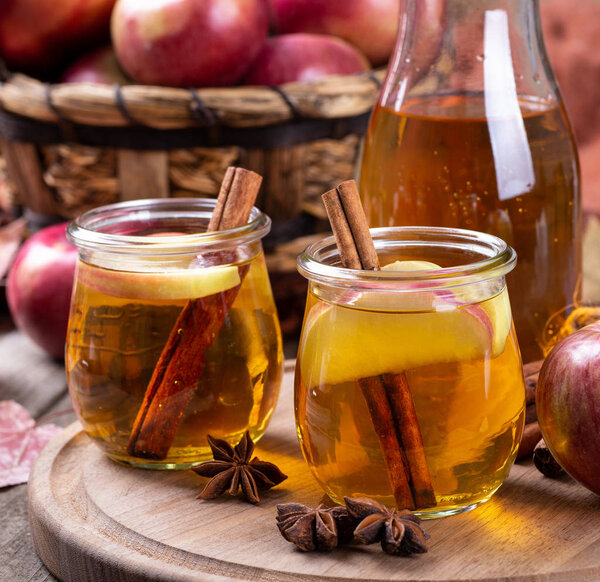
(510, 146)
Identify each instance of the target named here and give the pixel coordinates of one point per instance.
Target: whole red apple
(568, 404)
(38, 35)
(99, 66)
(370, 25)
(39, 288)
(185, 43)
(304, 57)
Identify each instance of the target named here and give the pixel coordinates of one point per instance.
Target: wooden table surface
(38, 383)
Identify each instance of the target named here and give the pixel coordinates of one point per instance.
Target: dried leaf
(21, 441)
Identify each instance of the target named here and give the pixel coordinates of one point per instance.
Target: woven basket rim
(333, 97)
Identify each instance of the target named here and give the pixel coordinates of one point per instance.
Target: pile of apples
(199, 43)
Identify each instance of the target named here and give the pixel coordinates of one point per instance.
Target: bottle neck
(491, 49)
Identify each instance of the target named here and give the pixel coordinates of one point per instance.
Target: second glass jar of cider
(409, 385)
(173, 333)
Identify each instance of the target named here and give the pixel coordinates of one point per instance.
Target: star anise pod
(319, 528)
(231, 468)
(398, 531)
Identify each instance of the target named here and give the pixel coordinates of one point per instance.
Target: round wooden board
(92, 519)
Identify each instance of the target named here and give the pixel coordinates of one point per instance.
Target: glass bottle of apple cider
(470, 131)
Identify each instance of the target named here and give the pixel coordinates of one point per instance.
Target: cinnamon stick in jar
(388, 396)
(182, 360)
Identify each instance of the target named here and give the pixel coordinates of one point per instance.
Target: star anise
(398, 531)
(319, 528)
(232, 468)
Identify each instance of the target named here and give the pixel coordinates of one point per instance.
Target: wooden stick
(388, 396)
(182, 360)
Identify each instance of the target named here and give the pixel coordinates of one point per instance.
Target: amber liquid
(114, 343)
(470, 414)
(440, 162)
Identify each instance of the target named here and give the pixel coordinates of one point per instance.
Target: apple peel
(21, 441)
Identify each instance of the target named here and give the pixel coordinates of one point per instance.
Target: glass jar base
(156, 465)
(434, 513)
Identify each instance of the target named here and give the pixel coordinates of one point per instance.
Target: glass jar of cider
(409, 384)
(173, 333)
(470, 132)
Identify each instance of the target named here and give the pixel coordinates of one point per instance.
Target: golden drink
(163, 350)
(440, 162)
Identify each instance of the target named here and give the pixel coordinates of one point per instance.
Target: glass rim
(501, 260)
(84, 231)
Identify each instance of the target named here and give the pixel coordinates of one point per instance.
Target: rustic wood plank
(25, 170)
(143, 174)
(28, 375)
(19, 561)
(282, 178)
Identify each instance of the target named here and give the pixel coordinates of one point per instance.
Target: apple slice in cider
(394, 332)
(163, 285)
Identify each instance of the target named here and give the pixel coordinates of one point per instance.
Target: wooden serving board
(92, 519)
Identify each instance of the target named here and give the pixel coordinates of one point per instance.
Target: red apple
(39, 288)
(38, 35)
(188, 42)
(99, 66)
(370, 25)
(568, 405)
(304, 57)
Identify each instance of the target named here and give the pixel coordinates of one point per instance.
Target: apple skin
(370, 25)
(36, 36)
(99, 66)
(184, 43)
(39, 286)
(304, 57)
(568, 405)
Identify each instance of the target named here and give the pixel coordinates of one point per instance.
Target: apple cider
(127, 310)
(441, 162)
(447, 331)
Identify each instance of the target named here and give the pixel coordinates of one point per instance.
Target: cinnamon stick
(531, 437)
(182, 360)
(376, 396)
(409, 434)
(388, 396)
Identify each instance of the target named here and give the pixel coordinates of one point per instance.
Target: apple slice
(343, 343)
(411, 266)
(494, 313)
(170, 284)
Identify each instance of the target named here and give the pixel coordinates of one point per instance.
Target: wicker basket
(71, 147)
